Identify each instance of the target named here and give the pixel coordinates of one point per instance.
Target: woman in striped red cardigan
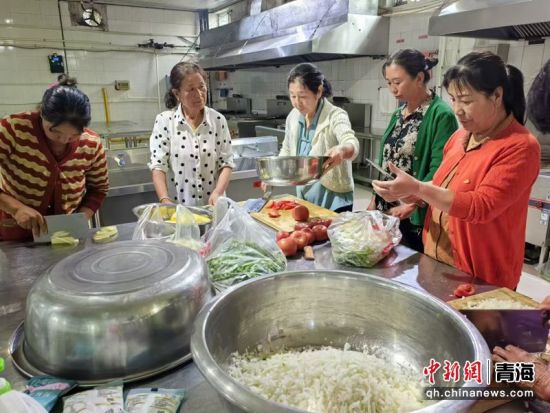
(50, 163)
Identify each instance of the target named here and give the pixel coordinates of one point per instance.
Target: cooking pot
(115, 311)
(330, 308)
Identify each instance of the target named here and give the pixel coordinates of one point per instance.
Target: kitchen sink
(129, 176)
(127, 158)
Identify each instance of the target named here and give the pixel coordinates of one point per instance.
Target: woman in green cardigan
(415, 136)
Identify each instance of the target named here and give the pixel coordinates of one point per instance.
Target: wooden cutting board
(500, 294)
(285, 222)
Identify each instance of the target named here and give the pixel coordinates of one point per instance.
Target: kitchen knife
(256, 205)
(74, 224)
(526, 329)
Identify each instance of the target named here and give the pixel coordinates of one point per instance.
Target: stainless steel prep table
(22, 263)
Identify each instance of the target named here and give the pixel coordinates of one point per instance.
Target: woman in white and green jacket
(315, 127)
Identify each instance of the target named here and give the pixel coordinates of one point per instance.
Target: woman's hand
(336, 155)
(335, 158)
(214, 197)
(545, 305)
(402, 187)
(86, 211)
(402, 211)
(512, 354)
(30, 219)
(541, 385)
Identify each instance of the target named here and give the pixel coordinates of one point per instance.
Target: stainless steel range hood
(493, 19)
(298, 31)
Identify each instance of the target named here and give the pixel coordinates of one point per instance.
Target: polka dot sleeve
(225, 154)
(159, 144)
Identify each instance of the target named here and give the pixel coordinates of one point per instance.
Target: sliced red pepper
(464, 290)
(273, 214)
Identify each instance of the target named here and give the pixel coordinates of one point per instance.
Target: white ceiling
(173, 4)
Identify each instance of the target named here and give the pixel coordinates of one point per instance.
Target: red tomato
(301, 239)
(464, 290)
(288, 246)
(273, 214)
(282, 205)
(320, 232)
(282, 234)
(310, 235)
(300, 226)
(300, 213)
(320, 221)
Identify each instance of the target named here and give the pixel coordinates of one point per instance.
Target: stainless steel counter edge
(22, 263)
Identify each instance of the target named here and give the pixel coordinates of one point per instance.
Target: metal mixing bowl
(115, 311)
(290, 170)
(316, 308)
(170, 210)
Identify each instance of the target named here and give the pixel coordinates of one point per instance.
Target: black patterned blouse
(400, 145)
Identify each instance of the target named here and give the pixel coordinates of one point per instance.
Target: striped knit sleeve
(5, 135)
(97, 181)
(341, 127)
(5, 146)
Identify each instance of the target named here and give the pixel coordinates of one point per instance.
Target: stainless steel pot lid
(122, 267)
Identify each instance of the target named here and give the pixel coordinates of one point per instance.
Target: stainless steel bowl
(316, 308)
(290, 170)
(115, 311)
(170, 209)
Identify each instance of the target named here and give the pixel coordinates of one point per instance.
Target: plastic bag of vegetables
(238, 248)
(361, 239)
(187, 231)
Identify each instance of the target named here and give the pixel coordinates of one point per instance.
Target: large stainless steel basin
(290, 170)
(319, 308)
(117, 311)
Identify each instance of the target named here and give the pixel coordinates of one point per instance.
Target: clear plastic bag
(362, 239)
(187, 231)
(174, 223)
(152, 224)
(238, 248)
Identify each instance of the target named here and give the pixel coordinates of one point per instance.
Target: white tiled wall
(34, 25)
(30, 31)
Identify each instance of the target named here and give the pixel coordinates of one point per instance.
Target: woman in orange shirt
(479, 195)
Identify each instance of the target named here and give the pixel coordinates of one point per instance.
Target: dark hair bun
(65, 80)
(413, 61)
(431, 62)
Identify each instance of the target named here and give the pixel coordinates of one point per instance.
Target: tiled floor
(530, 284)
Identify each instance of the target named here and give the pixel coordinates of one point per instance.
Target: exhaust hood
(493, 19)
(298, 31)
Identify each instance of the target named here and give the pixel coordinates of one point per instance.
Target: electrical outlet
(122, 84)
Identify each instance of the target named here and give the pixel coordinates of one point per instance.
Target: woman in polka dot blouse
(190, 143)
